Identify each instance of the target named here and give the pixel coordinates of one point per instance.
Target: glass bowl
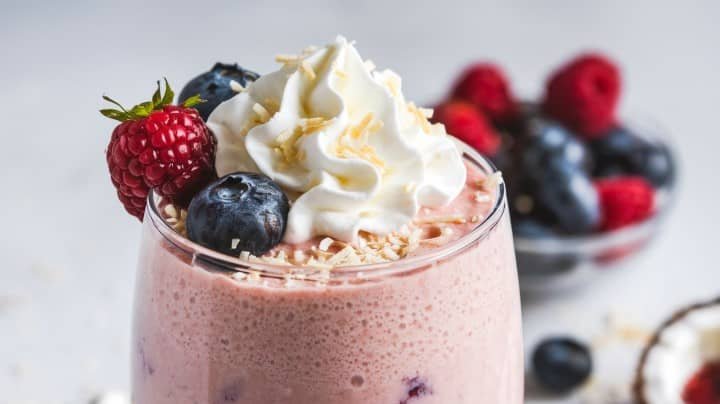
(559, 262)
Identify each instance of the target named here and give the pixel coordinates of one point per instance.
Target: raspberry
(159, 146)
(584, 94)
(704, 386)
(465, 122)
(624, 201)
(486, 86)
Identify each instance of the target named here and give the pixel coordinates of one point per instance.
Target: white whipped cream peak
(342, 141)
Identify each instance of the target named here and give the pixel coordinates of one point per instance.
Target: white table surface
(70, 251)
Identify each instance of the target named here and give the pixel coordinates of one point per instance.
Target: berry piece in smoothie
(561, 364)
(704, 386)
(160, 146)
(216, 86)
(464, 121)
(417, 387)
(624, 201)
(486, 86)
(584, 94)
(622, 152)
(239, 212)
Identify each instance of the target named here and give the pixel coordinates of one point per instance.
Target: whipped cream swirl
(342, 141)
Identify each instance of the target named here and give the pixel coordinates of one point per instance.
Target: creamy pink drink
(395, 281)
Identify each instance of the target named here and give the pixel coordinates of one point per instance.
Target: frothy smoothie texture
(394, 277)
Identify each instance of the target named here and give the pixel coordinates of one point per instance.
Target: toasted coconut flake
(420, 117)
(254, 277)
(262, 113)
(287, 59)
(427, 112)
(474, 219)
(237, 87)
(245, 255)
(239, 276)
(325, 243)
(390, 254)
(298, 256)
(171, 211)
(307, 70)
(482, 197)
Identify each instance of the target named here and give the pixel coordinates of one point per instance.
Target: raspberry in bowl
(587, 189)
(346, 250)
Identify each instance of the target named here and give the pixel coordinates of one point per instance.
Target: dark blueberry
(560, 193)
(214, 86)
(239, 212)
(547, 140)
(622, 152)
(416, 388)
(561, 364)
(531, 263)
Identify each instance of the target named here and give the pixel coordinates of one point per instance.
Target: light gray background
(69, 251)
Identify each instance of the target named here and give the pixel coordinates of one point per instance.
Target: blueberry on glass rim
(239, 212)
(215, 86)
(561, 364)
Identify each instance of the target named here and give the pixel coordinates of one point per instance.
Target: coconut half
(679, 348)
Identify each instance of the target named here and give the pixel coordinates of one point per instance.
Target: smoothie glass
(442, 327)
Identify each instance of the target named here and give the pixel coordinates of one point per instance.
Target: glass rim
(231, 264)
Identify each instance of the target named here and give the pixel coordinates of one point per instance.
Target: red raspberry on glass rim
(159, 146)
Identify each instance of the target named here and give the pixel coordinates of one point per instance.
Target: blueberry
(239, 212)
(214, 86)
(546, 140)
(621, 152)
(561, 364)
(556, 192)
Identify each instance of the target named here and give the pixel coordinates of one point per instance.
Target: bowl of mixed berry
(587, 189)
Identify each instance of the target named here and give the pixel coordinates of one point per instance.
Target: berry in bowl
(586, 189)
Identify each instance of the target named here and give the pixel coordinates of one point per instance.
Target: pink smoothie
(445, 331)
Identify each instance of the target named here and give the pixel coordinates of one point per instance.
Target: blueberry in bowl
(587, 189)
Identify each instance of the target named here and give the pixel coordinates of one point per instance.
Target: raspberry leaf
(110, 100)
(167, 99)
(115, 114)
(157, 96)
(142, 110)
(159, 101)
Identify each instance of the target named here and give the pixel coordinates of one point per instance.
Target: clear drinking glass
(442, 327)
